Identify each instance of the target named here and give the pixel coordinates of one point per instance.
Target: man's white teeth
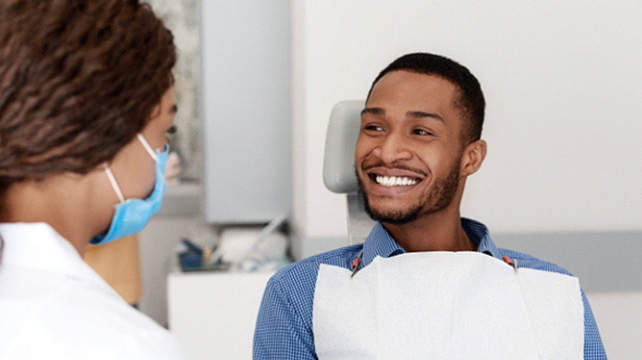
(394, 180)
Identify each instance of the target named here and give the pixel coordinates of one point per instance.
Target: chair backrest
(338, 165)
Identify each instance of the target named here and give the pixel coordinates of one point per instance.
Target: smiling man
(426, 283)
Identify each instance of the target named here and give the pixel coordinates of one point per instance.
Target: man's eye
(421, 132)
(373, 128)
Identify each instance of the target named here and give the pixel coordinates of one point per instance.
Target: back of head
(471, 100)
(78, 80)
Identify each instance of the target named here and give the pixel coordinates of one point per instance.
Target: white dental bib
(446, 305)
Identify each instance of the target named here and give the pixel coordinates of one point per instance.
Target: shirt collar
(478, 233)
(380, 243)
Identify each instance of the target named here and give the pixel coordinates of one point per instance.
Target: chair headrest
(341, 138)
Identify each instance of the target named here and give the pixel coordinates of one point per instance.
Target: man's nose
(393, 147)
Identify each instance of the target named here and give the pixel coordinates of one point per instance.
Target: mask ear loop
(147, 147)
(113, 182)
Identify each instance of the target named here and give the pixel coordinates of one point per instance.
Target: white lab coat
(54, 306)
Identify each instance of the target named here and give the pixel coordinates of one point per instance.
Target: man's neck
(434, 232)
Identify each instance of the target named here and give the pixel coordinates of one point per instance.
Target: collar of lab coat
(38, 247)
(380, 243)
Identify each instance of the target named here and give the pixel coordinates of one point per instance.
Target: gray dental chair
(338, 165)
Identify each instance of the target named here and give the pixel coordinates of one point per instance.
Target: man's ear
(473, 157)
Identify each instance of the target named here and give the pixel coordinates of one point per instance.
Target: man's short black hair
(471, 100)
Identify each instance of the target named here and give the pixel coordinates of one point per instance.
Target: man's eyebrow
(373, 111)
(421, 114)
(411, 114)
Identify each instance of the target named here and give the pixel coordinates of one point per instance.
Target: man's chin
(395, 217)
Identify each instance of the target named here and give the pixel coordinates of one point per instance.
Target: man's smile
(393, 180)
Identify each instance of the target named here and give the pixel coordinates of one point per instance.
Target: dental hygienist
(86, 100)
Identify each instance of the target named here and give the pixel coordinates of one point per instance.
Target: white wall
(562, 86)
(619, 318)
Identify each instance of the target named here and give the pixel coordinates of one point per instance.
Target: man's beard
(438, 197)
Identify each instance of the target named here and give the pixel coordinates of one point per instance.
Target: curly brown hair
(78, 80)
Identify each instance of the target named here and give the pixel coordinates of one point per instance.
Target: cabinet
(213, 314)
(246, 110)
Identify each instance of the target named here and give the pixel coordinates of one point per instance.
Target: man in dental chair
(427, 283)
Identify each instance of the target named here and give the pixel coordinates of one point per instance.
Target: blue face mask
(133, 214)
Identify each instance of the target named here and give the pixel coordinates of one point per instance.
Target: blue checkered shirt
(284, 325)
